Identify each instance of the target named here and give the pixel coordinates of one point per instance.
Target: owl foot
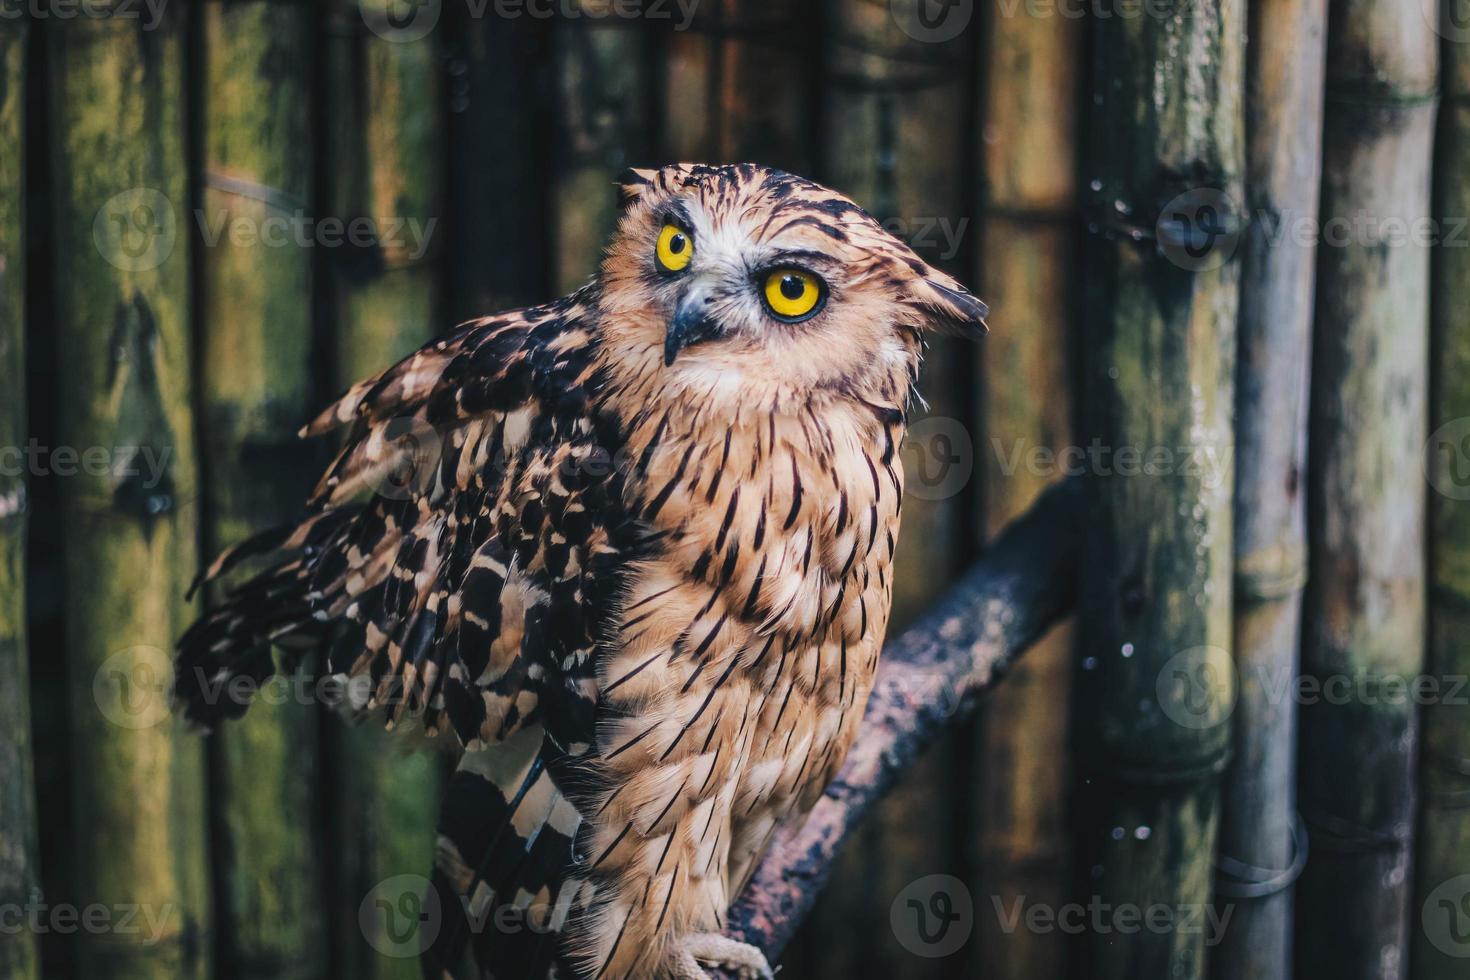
(711, 949)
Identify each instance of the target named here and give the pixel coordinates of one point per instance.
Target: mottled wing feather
(454, 546)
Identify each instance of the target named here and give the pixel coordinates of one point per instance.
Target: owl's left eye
(793, 294)
(675, 248)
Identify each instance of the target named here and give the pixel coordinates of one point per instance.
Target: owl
(629, 555)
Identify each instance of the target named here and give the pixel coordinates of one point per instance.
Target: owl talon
(711, 949)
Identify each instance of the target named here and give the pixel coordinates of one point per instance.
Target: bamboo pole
(763, 89)
(1364, 610)
(1154, 689)
(1442, 943)
(19, 875)
(1027, 262)
(603, 88)
(121, 265)
(498, 233)
(896, 108)
(255, 335)
(1259, 846)
(381, 160)
(739, 84)
(686, 93)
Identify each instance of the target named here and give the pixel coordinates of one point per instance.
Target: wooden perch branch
(930, 678)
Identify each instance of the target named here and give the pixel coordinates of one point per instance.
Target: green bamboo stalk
(255, 339)
(1154, 690)
(896, 144)
(498, 236)
(603, 90)
(1363, 617)
(382, 160)
(1027, 261)
(19, 875)
(121, 265)
(1441, 944)
(1258, 814)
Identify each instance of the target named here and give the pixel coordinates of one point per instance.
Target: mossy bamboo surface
(1364, 626)
(117, 104)
(896, 109)
(19, 875)
(1027, 264)
(603, 90)
(382, 159)
(1284, 98)
(498, 232)
(1154, 690)
(1442, 944)
(255, 337)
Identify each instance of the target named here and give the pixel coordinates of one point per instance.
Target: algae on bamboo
(1442, 859)
(1364, 610)
(122, 322)
(19, 874)
(255, 335)
(1154, 688)
(383, 152)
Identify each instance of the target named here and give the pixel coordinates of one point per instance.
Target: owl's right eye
(675, 249)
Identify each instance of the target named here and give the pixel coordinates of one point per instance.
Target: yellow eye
(793, 294)
(675, 249)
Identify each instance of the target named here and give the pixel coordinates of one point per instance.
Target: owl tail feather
(503, 861)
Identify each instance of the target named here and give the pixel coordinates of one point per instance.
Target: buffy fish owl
(628, 555)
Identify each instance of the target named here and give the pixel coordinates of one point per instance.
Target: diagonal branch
(930, 678)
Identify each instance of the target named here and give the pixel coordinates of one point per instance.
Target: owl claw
(711, 949)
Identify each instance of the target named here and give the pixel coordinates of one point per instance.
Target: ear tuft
(954, 308)
(634, 182)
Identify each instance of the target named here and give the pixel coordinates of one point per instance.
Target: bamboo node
(1277, 572)
(1337, 835)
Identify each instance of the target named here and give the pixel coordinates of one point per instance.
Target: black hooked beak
(692, 323)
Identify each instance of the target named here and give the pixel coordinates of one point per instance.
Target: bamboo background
(1124, 182)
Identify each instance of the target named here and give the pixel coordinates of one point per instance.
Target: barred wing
(462, 553)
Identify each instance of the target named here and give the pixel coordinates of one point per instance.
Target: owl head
(743, 275)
